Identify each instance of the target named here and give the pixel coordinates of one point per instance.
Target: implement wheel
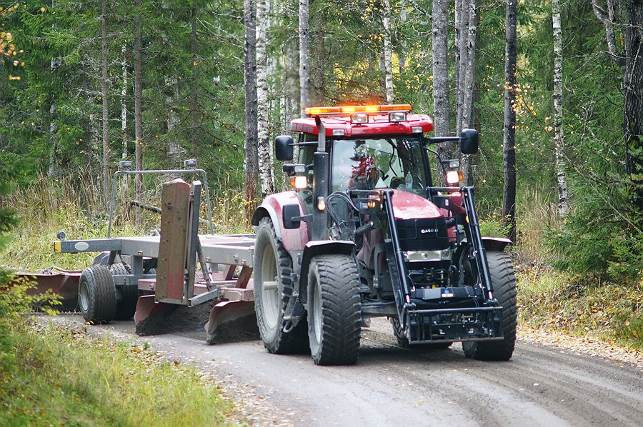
(504, 289)
(272, 288)
(334, 310)
(126, 296)
(97, 294)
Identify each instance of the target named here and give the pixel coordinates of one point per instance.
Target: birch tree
(509, 126)
(263, 143)
(466, 75)
(124, 84)
(440, 67)
(559, 141)
(251, 171)
(105, 98)
(388, 61)
(138, 111)
(304, 57)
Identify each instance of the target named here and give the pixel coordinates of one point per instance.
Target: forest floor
(558, 383)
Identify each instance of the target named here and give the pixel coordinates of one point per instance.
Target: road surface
(540, 386)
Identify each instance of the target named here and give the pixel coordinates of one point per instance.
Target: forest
(555, 88)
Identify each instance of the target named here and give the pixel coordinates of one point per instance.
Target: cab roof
(378, 124)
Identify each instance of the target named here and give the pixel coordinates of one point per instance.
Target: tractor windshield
(387, 162)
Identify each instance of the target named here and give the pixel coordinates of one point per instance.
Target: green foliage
(581, 306)
(60, 376)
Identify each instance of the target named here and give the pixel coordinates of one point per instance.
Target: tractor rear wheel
(334, 310)
(503, 281)
(273, 287)
(127, 296)
(97, 294)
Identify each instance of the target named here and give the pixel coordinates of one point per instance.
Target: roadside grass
(55, 376)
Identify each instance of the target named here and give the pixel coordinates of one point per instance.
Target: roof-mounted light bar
(351, 109)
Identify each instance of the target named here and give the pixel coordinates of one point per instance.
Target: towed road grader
(364, 232)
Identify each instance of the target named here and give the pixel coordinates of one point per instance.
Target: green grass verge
(581, 306)
(55, 376)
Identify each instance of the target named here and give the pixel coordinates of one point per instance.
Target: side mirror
(284, 148)
(469, 141)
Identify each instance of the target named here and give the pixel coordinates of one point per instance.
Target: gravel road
(393, 386)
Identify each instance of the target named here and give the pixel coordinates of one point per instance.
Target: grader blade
(231, 321)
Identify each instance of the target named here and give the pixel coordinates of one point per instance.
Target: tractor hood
(411, 206)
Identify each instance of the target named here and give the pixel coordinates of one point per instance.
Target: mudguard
(320, 247)
(497, 244)
(292, 239)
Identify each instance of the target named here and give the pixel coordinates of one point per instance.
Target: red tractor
(365, 233)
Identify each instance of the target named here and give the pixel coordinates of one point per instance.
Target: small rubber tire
(503, 280)
(126, 296)
(403, 342)
(334, 310)
(97, 294)
(271, 325)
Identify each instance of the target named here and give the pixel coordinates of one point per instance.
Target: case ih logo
(428, 230)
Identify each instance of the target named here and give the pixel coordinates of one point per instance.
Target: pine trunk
(263, 143)
(104, 95)
(633, 82)
(388, 61)
(509, 140)
(251, 170)
(468, 82)
(174, 150)
(440, 68)
(559, 141)
(304, 57)
(194, 101)
(138, 112)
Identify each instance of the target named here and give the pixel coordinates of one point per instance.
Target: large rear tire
(272, 288)
(126, 296)
(334, 310)
(504, 289)
(97, 294)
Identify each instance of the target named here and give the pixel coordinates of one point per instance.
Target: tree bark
(138, 112)
(633, 83)
(104, 95)
(606, 16)
(559, 140)
(388, 61)
(304, 57)
(194, 101)
(461, 27)
(174, 150)
(468, 82)
(440, 68)
(124, 103)
(509, 128)
(251, 170)
(263, 143)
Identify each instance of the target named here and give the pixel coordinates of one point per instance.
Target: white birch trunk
(263, 144)
(124, 103)
(304, 57)
(174, 150)
(388, 61)
(559, 141)
(440, 67)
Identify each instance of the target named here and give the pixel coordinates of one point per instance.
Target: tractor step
(454, 324)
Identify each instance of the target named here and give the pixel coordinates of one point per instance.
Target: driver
(364, 174)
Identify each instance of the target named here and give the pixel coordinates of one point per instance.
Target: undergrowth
(52, 375)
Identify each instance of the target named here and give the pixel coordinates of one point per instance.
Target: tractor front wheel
(97, 294)
(334, 310)
(504, 289)
(273, 287)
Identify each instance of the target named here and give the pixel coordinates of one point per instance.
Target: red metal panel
(170, 273)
